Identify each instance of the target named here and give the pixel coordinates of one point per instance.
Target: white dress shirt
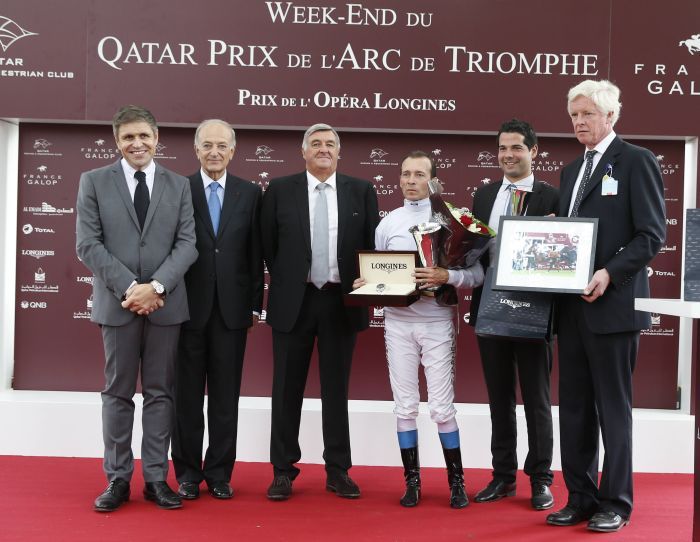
(207, 190)
(131, 182)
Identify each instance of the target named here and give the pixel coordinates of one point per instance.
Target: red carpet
(51, 499)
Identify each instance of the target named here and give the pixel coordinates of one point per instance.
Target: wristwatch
(158, 287)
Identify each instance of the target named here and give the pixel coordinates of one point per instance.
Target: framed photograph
(545, 254)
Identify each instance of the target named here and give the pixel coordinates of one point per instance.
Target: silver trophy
(427, 238)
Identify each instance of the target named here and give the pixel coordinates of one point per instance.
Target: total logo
(466, 317)
(28, 229)
(656, 273)
(377, 157)
(42, 147)
(265, 153)
(33, 304)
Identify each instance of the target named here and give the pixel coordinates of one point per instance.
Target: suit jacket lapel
(343, 209)
(232, 198)
(567, 187)
(123, 190)
(199, 202)
(159, 182)
(301, 194)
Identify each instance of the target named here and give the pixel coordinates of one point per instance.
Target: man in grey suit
(135, 232)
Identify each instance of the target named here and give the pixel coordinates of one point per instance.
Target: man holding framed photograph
(518, 194)
(621, 185)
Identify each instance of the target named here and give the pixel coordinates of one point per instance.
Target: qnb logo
(33, 304)
(10, 32)
(263, 150)
(692, 44)
(377, 154)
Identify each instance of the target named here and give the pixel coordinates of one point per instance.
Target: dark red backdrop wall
(57, 348)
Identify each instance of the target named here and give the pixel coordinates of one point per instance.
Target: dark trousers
(595, 395)
(322, 321)
(211, 358)
(530, 362)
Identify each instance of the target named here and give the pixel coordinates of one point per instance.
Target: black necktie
(141, 197)
(584, 181)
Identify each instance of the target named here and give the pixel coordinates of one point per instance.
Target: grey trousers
(152, 349)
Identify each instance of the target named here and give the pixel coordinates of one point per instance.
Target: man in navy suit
(312, 224)
(505, 360)
(224, 291)
(620, 185)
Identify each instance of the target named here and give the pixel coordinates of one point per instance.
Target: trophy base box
(389, 277)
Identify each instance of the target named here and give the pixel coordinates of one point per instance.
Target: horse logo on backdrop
(263, 150)
(377, 154)
(693, 44)
(10, 32)
(42, 144)
(485, 156)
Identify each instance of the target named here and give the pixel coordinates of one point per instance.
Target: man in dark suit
(135, 232)
(225, 291)
(312, 225)
(620, 185)
(501, 358)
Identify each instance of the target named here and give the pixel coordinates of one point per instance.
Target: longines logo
(42, 147)
(263, 153)
(673, 79)
(38, 254)
(85, 279)
(47, 209)
(10, 32)
(43, 178)
(28, 229)
(376, 158)
(514, 304)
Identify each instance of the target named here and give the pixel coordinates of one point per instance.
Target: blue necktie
(214, 205)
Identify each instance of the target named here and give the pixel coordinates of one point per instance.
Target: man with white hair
(312, 225)
(225, 293)
(620, 185)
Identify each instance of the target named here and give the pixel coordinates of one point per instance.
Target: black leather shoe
(221, 490)
(116, 494)
(343, 486)
(497, 489)
(161, 494)
(280, 489)
(188, 490)
(607, 522)
(567, 516)
(541, 496)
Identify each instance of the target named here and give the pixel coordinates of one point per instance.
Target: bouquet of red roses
(463, 237)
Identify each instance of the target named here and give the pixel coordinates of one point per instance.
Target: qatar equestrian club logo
(10, 32)
(692, 44)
